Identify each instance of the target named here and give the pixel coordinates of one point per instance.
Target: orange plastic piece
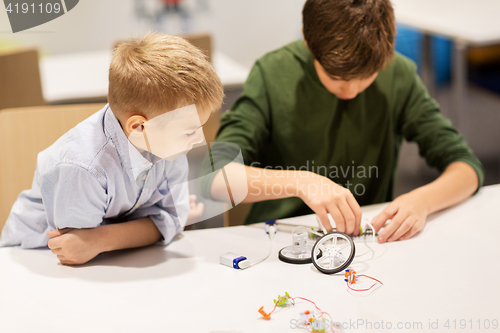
(351, 276)
(306, 312)
(266, 316)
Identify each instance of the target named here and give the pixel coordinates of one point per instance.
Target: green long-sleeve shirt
(286, 119)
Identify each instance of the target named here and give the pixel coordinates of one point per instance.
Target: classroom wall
(244, 30)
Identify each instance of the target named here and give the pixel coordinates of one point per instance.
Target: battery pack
(233, 260)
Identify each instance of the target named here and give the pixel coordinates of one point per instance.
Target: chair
(20, 83)
(203, 41)
(24, 132)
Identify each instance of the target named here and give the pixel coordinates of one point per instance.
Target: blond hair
(158, 73)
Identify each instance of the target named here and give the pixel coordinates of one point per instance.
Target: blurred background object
(20, 83)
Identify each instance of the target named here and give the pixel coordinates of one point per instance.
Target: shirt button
(138, 205)
(144, 177)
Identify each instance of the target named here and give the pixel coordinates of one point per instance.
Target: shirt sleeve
(247, 125)
(73, 197)
(169, 204)
(439, 142)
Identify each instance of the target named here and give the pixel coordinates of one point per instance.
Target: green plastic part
(282, 300)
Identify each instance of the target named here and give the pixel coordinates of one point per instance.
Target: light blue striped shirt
(93, 175)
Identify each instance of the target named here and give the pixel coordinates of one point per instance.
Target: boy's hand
(408, 215)
(323, 196)
(195, 210)
(74, 246)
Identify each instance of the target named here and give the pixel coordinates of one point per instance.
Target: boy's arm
(321, 194)
(75, 202)
(443, 148)
(78, 246)
(73, 197)
(247, 126)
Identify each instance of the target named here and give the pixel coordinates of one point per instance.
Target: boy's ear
(134, 124)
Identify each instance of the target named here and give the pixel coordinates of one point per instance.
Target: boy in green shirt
(320, 123)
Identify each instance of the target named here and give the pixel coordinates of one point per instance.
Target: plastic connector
(270, 224)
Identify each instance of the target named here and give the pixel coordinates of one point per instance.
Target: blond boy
(97, 189)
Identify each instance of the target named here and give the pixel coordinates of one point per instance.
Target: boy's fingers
(196, 210)
(349, 219)
(379, 221)
(412, 232)
(351, 201)
(53, 233)
(192, 198)
(374, 220)
(337, 217)
(407, 235)
(54, 243)
(63, 260)
(391, 228)
(403, 229)
(56, 251)
(323, 218)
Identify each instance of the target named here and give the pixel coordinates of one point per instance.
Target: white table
(83, 77)
(448, 272)
(466, 22)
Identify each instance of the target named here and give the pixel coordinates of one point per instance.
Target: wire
(271, 234)
(370, 249)
(373, 231)
(292, 299)
(373, 285)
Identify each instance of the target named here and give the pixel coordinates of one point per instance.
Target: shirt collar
(133, 161)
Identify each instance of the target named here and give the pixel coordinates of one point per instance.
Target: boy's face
(340, 88)
(171, 134)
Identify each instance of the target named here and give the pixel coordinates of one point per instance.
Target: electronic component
(240, 262)
(312, 321)
(233, 260)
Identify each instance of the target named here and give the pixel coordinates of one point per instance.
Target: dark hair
(350, 38)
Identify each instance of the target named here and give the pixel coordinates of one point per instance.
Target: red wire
(373, 285)
(305, 299)
(276, 304)
(361, 289)
(321, 312)
(370, 278)
(317, 308)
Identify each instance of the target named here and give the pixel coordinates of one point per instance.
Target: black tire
(344, 265)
